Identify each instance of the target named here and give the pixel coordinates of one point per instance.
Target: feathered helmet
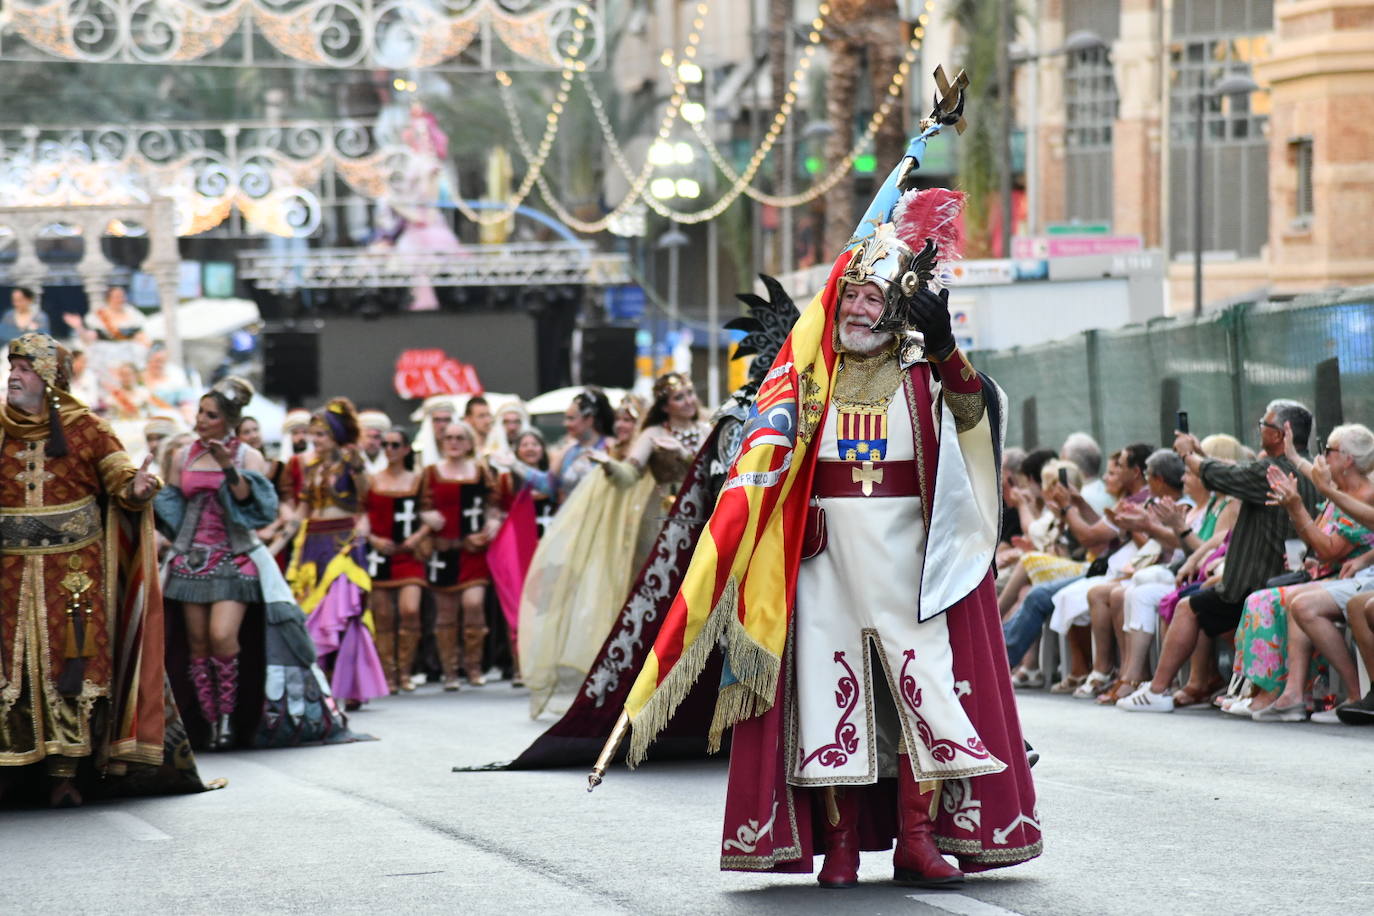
(901, 256)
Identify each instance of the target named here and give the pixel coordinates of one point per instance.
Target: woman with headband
(587, 562)
(327, 570)
(216, 498)
(588, 421)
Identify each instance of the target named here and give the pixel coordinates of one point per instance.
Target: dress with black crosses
(463, 504)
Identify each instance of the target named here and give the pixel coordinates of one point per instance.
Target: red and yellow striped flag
(739, 588)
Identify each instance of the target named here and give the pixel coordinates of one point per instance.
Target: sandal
(1095, 683)
(1119, 690)
(1069, 684)
(1192, 696)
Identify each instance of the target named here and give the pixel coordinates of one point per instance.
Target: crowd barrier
(1127, 385)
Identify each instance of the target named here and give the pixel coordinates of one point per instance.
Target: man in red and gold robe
(81, 631)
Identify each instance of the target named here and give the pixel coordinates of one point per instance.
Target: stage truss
(514, 265)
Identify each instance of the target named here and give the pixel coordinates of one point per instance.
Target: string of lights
(740, 182)
(536, 159)
(638, 180)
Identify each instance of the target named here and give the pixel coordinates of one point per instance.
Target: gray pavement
(1186, 813)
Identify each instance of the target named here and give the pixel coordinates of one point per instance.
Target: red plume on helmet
(933, 214)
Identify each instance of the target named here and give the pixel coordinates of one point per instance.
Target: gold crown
(670, 383)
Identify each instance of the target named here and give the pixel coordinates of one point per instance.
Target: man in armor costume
(845, 572)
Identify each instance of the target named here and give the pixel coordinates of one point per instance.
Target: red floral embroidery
(846, 741)
(941, 749)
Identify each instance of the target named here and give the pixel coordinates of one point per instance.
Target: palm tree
(861, 31)
(978, 173)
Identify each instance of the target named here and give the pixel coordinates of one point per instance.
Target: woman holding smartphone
(216, 498)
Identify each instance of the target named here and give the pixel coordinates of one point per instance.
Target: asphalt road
(1187, 813)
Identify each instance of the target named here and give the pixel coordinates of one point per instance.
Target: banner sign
(425, 373)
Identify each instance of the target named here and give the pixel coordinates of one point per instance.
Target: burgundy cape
(985, 821)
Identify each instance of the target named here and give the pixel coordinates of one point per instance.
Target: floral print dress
(1262, 637)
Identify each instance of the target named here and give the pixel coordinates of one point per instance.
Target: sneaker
(1357, 712)
(1097, 682)
(1277, 713)
(1029, 679)
(1146, 700)
(1326, 717)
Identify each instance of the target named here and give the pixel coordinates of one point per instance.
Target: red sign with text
(425, 373)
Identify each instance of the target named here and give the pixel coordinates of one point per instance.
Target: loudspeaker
(291, 361)
(608, 357)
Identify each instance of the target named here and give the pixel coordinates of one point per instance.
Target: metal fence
(1127, 385)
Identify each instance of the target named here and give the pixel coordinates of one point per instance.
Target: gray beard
(863, 341)
(22, 402)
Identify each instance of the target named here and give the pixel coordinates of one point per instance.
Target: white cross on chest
(544, 518)
(374, 562)
(407, 517)
(436, 564)
(473, 514)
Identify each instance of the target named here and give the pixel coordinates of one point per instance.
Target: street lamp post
(672, 241)
(1234, 84)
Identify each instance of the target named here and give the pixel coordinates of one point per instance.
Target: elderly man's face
(1271, 433)
(25, 390)
(860, 306)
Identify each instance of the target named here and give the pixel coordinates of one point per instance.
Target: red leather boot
(840, 809)
(917, 862)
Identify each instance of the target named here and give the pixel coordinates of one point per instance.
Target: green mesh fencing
(1126, 385)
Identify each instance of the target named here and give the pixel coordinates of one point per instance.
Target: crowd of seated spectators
(1166, 557)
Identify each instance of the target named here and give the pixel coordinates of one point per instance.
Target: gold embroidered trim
(812, 405)
(909, 387)
(47, 510)
(974, 851)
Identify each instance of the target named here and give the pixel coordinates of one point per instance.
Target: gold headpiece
(50, 361)
(670, 383)
(632, 405)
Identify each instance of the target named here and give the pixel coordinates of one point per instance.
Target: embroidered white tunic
(864, 589)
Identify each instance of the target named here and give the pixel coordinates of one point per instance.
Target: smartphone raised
(1181, 422)
(1064, 477)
